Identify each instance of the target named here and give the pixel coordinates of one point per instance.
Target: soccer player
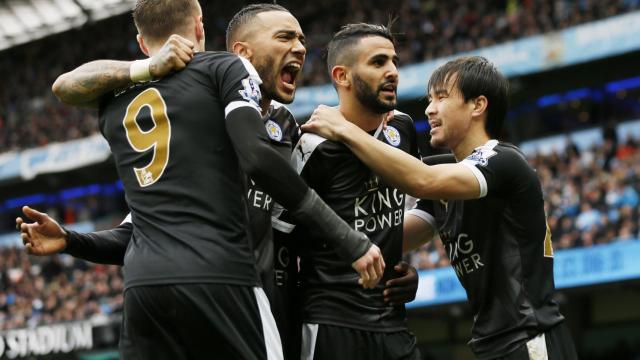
(257, 29)
(179, 145)
(342, 320)
(488, 210)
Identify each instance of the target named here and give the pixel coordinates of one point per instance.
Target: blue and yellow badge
(273, 130)
(392, 135)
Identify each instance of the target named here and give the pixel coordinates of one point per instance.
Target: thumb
(34, 214)
(401, 267)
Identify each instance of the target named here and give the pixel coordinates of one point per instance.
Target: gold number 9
(548, 246)
(157, 138)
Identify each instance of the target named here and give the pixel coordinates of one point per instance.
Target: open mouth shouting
(288, 75)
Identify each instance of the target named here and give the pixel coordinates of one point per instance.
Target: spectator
(30, 116)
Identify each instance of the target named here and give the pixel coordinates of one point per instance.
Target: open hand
(403, 288)
(42, 237)
(327, 122)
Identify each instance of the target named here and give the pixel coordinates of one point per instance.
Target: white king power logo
(392, 135)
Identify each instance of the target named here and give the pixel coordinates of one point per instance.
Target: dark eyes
(289, 37)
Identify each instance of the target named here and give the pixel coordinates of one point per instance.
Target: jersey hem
(191, 280)
(378, 328)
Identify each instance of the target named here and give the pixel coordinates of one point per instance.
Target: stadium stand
(30, 116)
(591, 192)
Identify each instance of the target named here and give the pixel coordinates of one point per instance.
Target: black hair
(476, 76)
(343, 41)
(244, 17)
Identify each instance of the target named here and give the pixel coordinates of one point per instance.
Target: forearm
(85, 85)
(405, 172)
(276, 176)
(416, 232)
(103, 247)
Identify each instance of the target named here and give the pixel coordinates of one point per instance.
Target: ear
(199, 28)
(243, 49)
(142, 45)
(480, 105)
(341, 76)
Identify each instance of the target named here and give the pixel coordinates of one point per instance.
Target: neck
(358, 114)
(264, 105)
(472, 140)
(154, 48)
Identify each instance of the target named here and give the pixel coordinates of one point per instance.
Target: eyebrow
(438, 91)
(394, 58)
(293, 34)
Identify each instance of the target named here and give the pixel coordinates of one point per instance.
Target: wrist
(69, 240)
(346, 131)
(139, 71)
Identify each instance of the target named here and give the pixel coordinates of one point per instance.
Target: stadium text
(46, 340)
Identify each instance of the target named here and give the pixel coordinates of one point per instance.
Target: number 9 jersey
(181, 175)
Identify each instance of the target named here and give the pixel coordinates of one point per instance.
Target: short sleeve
(238, 83)
(497, 168)
(424, 210)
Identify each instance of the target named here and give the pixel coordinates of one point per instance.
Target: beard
(371, 98)
(269, 76)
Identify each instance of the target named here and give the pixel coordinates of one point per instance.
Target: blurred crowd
(39, 291)
(30, 116)
(44, 290)
(591, 197)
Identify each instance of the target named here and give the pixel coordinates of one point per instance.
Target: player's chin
(389, 104)
(437, 142)
(286, 96)
(390, 100)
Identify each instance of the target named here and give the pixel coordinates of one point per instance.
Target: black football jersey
(283, 131)
(330, 293)
(181, 175)
(500, 248)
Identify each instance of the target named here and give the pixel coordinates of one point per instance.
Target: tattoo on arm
(85, 85)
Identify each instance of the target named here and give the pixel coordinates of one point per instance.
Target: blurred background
(574, 70)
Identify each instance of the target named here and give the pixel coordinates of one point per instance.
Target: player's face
(449, 115)
(278, 53)
(375, 74)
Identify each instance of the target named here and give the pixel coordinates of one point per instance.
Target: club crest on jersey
(273, 130)
(392, 135)
(481, 156)
(251, 91)
(372, 184)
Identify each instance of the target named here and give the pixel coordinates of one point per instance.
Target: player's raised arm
(445, 181)
(86, 84)
(46, 237)
(275, 175)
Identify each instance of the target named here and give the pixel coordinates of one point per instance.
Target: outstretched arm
(445, 181)
(45, 237)
(86, 84)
